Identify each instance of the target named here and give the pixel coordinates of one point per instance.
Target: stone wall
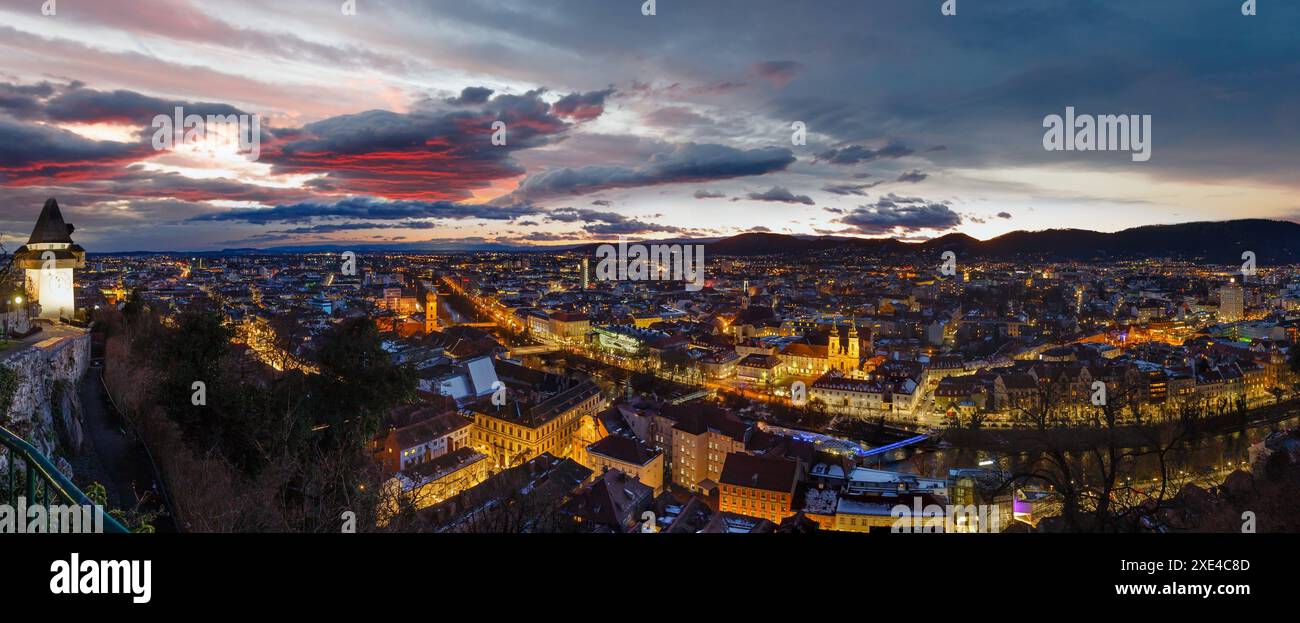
(15, 322)
(49, 371)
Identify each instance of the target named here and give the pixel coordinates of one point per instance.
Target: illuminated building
(702, 439)
(865, 513)
(429, 437)
(542, 486)
(563, 327)
(630, 457)
(434, 481)
(430, 312)
(514, 433)
(1231, 303)
(758, 486)
(591, 429)
(759, 368)
(567, 327)
(49, 258)
(804, 359)
(846, 358)
(399, 302)
(116, 294)
(842, 353)
(848, 395)
(626, 339)
(720, 364)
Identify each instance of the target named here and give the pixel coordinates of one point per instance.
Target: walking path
(121, 470)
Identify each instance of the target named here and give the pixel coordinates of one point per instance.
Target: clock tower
(49, 258)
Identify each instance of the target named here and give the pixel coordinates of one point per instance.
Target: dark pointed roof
(50, 227)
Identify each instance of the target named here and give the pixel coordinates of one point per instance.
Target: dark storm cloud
(24, 101)
(609, 223)
(686, 163)
(34, 150)
(892, 200)
(31, 151)
(780, 194)
(850, 189)
(370, 208)
(906, 214)
(1005, 215)
(857, 154)
(73, 102)
(395, 155)
(377, 153)
(471, 96)
(914, 176)
(583, 106)
(543, 236)
(583, 215)
(709, 194)
(96, 216)
(122, 106)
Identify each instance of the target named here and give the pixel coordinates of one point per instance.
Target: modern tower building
(1232, 303)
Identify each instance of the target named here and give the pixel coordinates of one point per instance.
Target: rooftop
(759, 472)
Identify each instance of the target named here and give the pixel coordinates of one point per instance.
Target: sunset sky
(377, 127)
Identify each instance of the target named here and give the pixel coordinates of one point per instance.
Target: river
(1204, 460)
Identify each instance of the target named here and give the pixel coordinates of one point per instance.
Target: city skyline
(491, 273)
(376, 128)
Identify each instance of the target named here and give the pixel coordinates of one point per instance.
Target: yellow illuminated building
(513, 433)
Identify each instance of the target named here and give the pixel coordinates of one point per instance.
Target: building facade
(513, 433)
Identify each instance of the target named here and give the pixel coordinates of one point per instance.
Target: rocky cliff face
(45, 407)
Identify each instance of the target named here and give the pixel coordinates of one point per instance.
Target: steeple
(855, 352)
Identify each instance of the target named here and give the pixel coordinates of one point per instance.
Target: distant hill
(1222, 242)
(1219, 242)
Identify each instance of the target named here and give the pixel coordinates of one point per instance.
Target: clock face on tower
(59, 281)
(53, 290)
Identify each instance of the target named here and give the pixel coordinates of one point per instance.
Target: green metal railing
(42, 483)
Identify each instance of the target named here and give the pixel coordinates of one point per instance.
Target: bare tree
(1088, 456)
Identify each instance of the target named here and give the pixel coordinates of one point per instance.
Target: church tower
(430, 311)
(833, 347)
(855, 352)
(49, 258)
